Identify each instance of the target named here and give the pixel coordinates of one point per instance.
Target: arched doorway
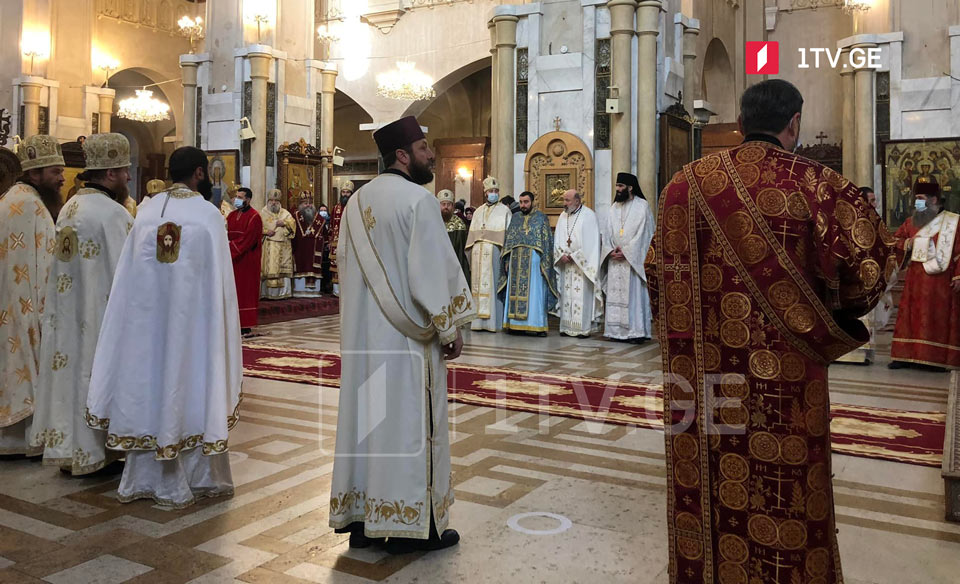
(719, 83)
(359, 149)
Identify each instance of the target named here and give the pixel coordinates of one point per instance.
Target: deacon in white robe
(627, 232)
(27, 238)
(404, 297)
(576, 256)
(166, 376)
(91, 231)
(485, 245)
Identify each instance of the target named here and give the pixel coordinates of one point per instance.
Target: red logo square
(763, 58)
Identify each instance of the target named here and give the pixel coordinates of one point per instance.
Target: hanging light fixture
(854, 6)
(405, 83)
(144, 108)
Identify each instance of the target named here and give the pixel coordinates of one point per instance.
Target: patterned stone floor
(605, 481)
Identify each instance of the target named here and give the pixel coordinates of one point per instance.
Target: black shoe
(898, 365)
(542, 334)
(359, 541)
(449, 538)
(244, 331)
(403, 545)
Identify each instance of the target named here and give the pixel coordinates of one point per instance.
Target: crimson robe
(245, 231)
(308, 243)
(335, 236)
(927, 329)
(761, 264)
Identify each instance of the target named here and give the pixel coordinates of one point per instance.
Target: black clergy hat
(397, 135)
(625, 178)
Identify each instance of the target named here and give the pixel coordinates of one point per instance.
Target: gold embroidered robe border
(277, 262)
(485, 244)
(27, 239)
(761, 263)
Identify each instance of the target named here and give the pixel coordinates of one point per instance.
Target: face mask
(238, 203)
(492, 198)
(324, 214)
(920, 205)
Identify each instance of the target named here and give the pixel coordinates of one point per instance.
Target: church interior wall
(348, 115)
(925, 25)
(11, 17)
(221, 41)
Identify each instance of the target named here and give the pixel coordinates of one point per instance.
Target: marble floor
(539, 498)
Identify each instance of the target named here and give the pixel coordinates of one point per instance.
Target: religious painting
(300, 173)
(909, 162)
(168, 243)
(224, 172)
(557, 162)
(67, 244)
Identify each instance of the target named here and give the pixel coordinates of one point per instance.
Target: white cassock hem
(176, 483)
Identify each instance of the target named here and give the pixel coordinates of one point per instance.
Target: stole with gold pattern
(761, 264)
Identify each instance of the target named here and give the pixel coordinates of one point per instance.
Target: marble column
(691, 31)
(865, 136)
(506, 100)
(621, 33)
(849, 139)
(260, 59)
(106, 110)
(31, 87)
(328, 89)
(188, 75)
(648, 26)
(494, 98)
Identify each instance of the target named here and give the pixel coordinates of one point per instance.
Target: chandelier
(852, 6)
(192, 28)
(325, 35)
(144, 108)
(405, 83)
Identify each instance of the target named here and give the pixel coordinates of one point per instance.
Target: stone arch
(448, 81)
(719, 82)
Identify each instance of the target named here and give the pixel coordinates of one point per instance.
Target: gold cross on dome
(556, 123)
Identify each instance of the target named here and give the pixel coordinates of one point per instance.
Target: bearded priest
(527, 284)
(165, 385)
(404, 298)
(346, 191)
(91, 231)
(279, 229)
(311, 236)
(576, 256)
(456, 229)
(485, 244)
(927, 334)
(27, 240)
(626, 233)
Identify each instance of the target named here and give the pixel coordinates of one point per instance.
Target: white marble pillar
(506, 102)
(494, 98)
(691, 30)
(849, 139)
(621, 33)
(31, 87)
(260, 58)
(106, 110)
(864, 80)
(648, 27)
(188, 75)
(328, 89)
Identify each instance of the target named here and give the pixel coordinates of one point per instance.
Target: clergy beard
(921, 218)
(309, 213)
(622, 197)
(50, 198)
(526, 211)
(205, 187)
(420, 173)
(446, 215)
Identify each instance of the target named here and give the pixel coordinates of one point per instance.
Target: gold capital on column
(259, 74)
(188, 76)
(648, 27)
(506, 104)
(621, 125)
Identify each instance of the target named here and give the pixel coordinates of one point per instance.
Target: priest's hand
(271, 233)
(617, 255)
(565, 259)
(452, 351)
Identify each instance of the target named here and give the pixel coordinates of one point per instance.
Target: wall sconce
(36, 44)
(191, 28)
(105, 63)
(261, 12)
(464, 174)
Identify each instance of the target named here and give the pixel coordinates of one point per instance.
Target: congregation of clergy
(177, 290)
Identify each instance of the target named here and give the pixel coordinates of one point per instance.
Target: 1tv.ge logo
(763, 58)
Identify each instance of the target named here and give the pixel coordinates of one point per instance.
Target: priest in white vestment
(404, 298)
(626, 231)
(166, 376)
(488, 231)
(27, 238)
(91, 230)
(279, 228)
(576, 256)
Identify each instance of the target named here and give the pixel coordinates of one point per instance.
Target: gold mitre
(40, 151)
(106, 151)
(490, 184)
(306, 196)
(274, 195)
(347, 186)
(155, 186)
(446, 195)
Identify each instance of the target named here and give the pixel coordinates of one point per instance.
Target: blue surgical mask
(920, 204)
(238, 203)
(492, 198)
(324, 214)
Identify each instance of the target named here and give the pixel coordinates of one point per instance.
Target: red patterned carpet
(273, 311)
(896, 435)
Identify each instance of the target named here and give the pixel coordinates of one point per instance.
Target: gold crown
(40, 151)
(347, 186)
(106, 151)
(445, 195)
(155, 186)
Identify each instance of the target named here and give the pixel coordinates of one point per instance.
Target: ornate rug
(895, 435)
(274, 311)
